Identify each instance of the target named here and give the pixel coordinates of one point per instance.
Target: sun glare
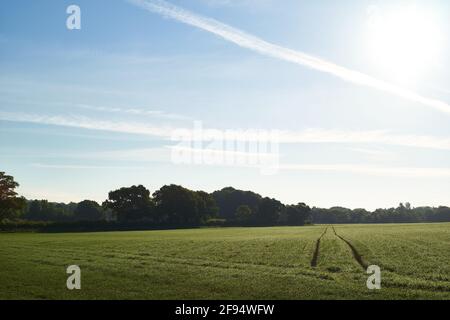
(404, 42)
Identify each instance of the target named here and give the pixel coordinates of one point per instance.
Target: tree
(442, 213)
(243, 213)
(179, 206)
(131, 204)
(42, 210)
(35, 210)
(88, 210)
(206, 205)
(359, 215)
(298, 215)
(269, 211)
(341, 214)
(229, 199)
(10, 204)
(408, 206)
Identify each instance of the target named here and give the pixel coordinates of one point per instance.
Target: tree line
(170, 205)
(176, 206)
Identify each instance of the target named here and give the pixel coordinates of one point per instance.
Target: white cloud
(113, 109)
(283, 136)
(135, 111)
(88, 123)
(156, 154)
(84, 167)
(367, 137)
(407, 172)
(251, 42)
(402, 172)
(236, 3)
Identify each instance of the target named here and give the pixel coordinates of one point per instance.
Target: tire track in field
(358, 257)
(316, 251)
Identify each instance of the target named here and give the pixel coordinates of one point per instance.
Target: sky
(356, 91)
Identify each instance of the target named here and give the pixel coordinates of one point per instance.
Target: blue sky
(83, 112)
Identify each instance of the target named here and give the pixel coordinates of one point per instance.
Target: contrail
(251, 42)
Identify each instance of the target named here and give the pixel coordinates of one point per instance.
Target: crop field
(316, 262)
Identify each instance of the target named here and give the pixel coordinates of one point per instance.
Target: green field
(231, 263)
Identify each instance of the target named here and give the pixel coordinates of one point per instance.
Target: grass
(231, 263)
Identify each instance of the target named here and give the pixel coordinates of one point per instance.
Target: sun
(404, 41)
